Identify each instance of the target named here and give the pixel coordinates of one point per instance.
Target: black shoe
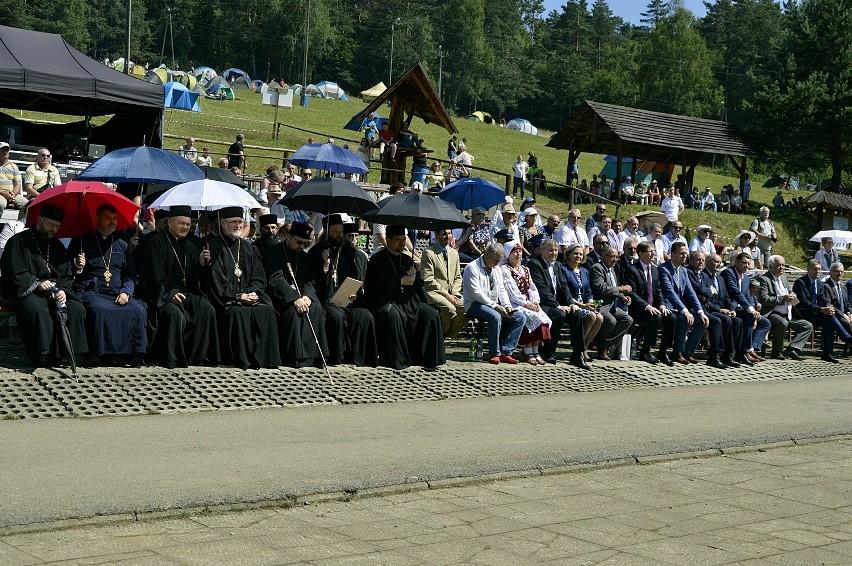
(777, 356)
(743, 361)
(729, 361)
(580, 363)
(792, 354)
(549, 359)
(663, 357)
(649, 357)
(829, 358)
(716, 364)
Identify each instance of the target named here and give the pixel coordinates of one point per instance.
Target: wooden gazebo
(642, 134)
(411, 95)
(827, 205)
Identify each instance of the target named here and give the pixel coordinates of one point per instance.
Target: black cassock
(111, 328)
(350, 332)
(28, 259)
(248, 332)
(409, 328)
(261, 243)
(184, 334)
(298, 345)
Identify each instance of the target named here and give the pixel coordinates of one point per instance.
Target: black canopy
(41, 71)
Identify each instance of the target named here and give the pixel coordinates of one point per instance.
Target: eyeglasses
(44, 155)
(677, 227)
(603, 242)
(301, 242)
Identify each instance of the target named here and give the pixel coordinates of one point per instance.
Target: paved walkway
(787, 505)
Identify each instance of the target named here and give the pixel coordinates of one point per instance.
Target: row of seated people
(185, 300)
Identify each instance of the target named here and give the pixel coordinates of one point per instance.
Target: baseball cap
(4, 145)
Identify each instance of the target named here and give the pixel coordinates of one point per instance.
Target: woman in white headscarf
(523, 295)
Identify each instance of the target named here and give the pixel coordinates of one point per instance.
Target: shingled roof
(605, 128)
(829, 200)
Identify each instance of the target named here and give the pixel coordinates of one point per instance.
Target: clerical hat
(180, 210)
(230, 212)
(160, 214)
(267, 219)
(395, 230)
(332, 220)
(52, 212)
(301, 230)
(350, 228)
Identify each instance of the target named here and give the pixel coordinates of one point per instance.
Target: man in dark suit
(713, 290)
(628, 258)
(615, 297)
(776, 301)
(599, 243)
(552, 285)
(816, 309)
(718, 323)
(681, 299)
(736, 282)
(647, 307)
(837, 297)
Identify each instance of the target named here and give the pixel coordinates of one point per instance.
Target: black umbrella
(418, 212)
(224, 175)
(61, 315)
(329, 195)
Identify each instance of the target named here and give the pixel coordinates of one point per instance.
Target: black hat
(503, 234)
(52, 212)
(160, 214)
(180, 210)
(536, 240)
(230, 212)
(395, 230)
(267, 219)
(332, 220)
(301, 230)
(350, 228)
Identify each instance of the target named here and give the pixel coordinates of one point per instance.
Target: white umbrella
(205, 194)
(841, 238)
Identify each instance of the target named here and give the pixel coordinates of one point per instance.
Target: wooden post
(619, 162)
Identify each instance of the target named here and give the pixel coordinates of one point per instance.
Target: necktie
(650, 286)
(839, 292)
(611, 276)
(678, 281)
(814, 300)
(446, 260)
(577, 234)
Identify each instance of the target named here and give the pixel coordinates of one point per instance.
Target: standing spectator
(575, 171)
(188, 151)
(236, 153)
(462, 146)
(671, 206)
(41, 175)
(519, 168)
(746, 188)
(764, 229)
(452, 148)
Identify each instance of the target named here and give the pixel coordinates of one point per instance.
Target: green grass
(493, 147)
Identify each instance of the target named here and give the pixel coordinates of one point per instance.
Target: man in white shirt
(702, 240)
(671, 206)
(631, 229)
(572, 232)
(188, 151)
(708, 201)
(519, 168)
(485, 297)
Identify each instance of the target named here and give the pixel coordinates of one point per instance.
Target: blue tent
(233, 73)
(178, 96)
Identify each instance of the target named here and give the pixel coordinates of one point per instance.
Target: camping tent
(480, 116)
(180, 97)
(42, 72)
(233, 74)
(241, 83)
(138, 71)
(371, 93)
(313, 90)
(331, 91)
(204, 74)
(522, 125)
(257, 85)
(158, 76)
(213, 91)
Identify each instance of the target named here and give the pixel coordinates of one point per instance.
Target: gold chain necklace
(45, 257)
(107, 262)
(237, 271)
(182, 267)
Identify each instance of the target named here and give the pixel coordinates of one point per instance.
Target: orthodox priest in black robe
(33, 263)
(236, 285)
(115, 320)
(181, 320)
(410, 329)
(301, 319)
(268, 233)
(350, 331)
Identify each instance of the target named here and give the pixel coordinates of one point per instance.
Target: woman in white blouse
(523, 295)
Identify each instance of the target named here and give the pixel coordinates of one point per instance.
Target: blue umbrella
(473, 192)
(141, 165)
(328, 157)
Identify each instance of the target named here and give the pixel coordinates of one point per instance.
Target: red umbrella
(80, 200)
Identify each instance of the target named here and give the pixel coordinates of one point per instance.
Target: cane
(311, 324)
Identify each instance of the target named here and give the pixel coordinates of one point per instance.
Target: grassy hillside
(493, 147)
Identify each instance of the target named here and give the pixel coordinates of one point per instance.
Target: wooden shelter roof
(411, 94)
(605, 128)
(830, 200)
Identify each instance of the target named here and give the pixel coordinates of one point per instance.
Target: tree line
(781, 72)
